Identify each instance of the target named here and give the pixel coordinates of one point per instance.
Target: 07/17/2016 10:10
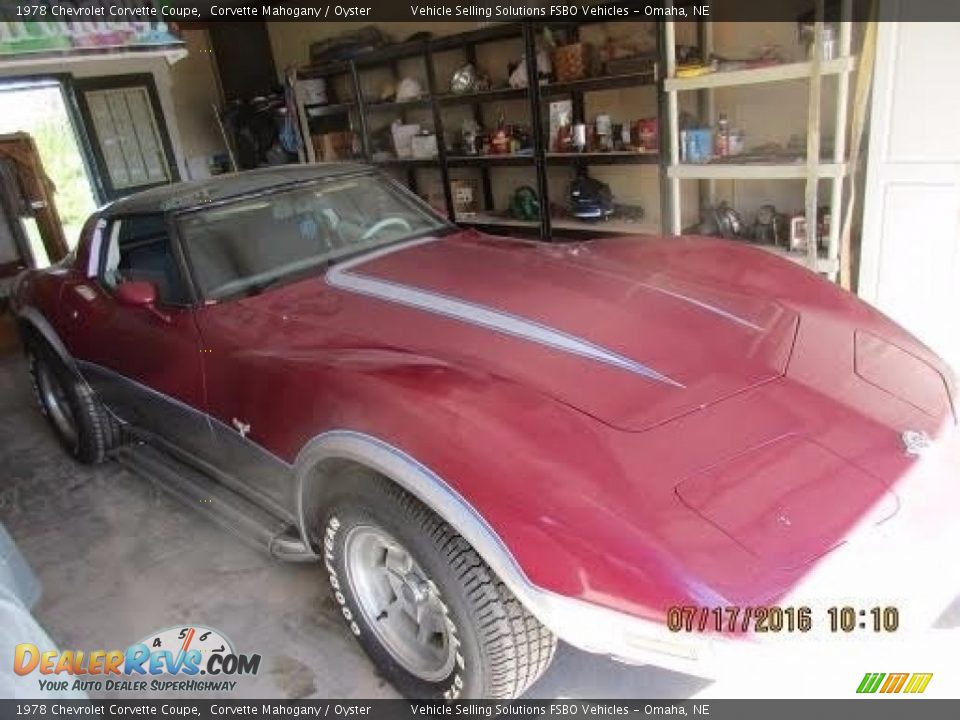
(776, 619)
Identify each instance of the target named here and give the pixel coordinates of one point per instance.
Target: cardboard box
(330, 147)
(403, 138)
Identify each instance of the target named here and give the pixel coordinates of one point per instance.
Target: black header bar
(427, 11)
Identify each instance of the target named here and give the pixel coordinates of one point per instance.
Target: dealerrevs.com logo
(184, 652)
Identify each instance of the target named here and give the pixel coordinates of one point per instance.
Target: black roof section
(186, 195)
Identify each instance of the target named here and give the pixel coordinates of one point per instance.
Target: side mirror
(140, 294)
(137, 293)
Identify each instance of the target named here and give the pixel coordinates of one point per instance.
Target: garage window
(139, 249)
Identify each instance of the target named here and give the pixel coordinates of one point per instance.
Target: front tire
(424, 606)
(82, 425)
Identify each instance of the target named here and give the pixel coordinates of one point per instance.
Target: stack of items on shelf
(331, 135)
(568, 135)
(580, 60)
(347, 45)
(467, 79)
(769, 227)
(689, 64)
(505, 139)
(704, 143)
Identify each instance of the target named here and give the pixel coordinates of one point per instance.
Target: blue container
(697, 145)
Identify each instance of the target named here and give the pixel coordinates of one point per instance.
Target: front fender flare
(417, 479)
(583, 624)
(30, 316)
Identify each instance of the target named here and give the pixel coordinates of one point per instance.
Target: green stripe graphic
(871, 682)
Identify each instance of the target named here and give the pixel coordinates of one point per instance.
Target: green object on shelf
(525, 204)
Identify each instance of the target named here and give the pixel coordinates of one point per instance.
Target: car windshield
(243, 247)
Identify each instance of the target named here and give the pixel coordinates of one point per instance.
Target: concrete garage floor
(118, 560)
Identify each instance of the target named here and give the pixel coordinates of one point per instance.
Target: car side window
(139, 248)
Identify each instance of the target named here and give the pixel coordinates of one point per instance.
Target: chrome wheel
(400, 603)
(55, 401)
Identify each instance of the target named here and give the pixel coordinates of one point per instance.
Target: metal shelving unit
(812, 168)
(357, 109)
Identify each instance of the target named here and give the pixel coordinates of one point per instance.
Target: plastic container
(16, 577)
(697, 145)
(313, 91)
(736, 142)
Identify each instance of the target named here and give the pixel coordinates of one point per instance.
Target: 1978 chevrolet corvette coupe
(491, 443)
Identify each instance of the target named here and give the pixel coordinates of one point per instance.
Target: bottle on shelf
(722, 141)
(500, 143)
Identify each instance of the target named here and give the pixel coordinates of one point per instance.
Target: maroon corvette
(651, 448)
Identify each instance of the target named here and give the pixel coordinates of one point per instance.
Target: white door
(910, 261)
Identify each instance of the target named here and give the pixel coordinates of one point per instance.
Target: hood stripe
(340, 276)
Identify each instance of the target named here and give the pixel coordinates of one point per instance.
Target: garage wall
(194, 90)
(769, 113)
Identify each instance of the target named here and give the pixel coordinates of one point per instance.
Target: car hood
(633, 332)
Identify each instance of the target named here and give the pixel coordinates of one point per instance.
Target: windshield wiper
(293, 276)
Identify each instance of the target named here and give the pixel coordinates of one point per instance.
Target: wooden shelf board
(605, 227)
(602, 82)
(389, 53)
(499, 31)
(824, 264)
(615, 157)
(484, 160)
(337, 67)
(597, 229)
(496, 94)
(318, 111)
(491, 219)
(418, 162)
(376, 106)
(754, 76)
(753, 171)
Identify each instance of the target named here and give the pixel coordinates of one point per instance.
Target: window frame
(445, 227)
(79, 87)
(114, 222)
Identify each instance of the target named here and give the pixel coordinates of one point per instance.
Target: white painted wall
(910, 252)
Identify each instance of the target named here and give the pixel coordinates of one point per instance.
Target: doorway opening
(39, 108)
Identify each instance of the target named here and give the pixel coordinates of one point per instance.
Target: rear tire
(82, 425)
(429, 612)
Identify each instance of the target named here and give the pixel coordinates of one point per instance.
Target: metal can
(579, 137)
(735, 142)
